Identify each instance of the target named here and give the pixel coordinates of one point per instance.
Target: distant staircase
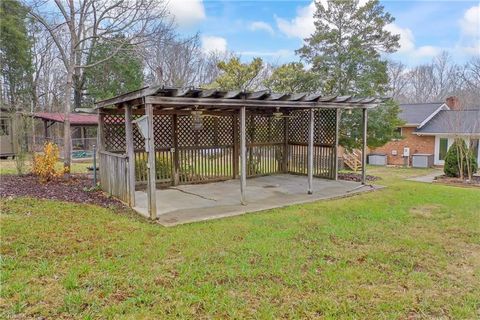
(353, 159)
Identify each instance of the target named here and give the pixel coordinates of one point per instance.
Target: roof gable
(416, 114)
(464, 122)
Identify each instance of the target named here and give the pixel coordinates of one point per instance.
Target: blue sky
(274, 29)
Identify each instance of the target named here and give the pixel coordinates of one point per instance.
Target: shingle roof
(75, 118)
(415, 114)
(453, 122)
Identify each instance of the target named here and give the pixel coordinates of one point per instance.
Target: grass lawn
(411, 250)
(8, 166)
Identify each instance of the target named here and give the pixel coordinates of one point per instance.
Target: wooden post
(176, 159)
(45, 130)
(235, 147)
(151, 174)
(130, 155)
(310, 150)
(101, 132)
(337, 128)
(243, 154)
(364, 147)
(285, 145)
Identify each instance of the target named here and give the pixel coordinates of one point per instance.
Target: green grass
(411, 250)
(8, 166)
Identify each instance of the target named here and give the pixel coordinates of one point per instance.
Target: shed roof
(75, 118)
(463, 122)
(416, 113)
(172, 97)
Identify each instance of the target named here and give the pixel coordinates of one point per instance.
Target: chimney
(453, 103)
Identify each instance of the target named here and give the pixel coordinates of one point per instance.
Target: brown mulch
(357, 177)
(73, 188)
(475, 182)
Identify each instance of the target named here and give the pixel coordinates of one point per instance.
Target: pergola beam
(239, 103)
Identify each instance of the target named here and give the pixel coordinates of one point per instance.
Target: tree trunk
(67, 142)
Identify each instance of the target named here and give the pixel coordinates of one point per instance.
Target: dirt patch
(357, 177)
(73, 189)
(475, 182)
(425, 211)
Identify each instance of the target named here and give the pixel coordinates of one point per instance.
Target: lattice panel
(114, 133)
(325, 122)
(277, 130)
(261, 129)
(186, 134)
(298, 126)
(138, 140)
(206, 136)
(162, 131)
(225, 131)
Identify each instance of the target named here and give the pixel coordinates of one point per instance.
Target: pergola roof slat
(191, 96)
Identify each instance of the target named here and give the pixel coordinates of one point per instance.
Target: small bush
(451, 167)
(44, 164)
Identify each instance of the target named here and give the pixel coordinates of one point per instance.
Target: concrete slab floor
(198, 202)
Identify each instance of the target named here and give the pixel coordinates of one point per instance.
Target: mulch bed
(357, 177)
(73, 189)
(475, 182)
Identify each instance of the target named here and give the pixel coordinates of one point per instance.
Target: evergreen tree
(345, 51)
(15, 55)
(236, 75)
(292, 77)
(119, 74)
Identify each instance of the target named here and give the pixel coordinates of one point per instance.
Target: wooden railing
(114, 175)
(353, 159)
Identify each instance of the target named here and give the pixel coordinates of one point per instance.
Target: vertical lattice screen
(208, 154)
(324, 142)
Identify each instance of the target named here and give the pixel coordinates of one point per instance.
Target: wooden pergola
(198, 136)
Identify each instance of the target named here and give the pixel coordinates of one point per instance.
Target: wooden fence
(114, 174)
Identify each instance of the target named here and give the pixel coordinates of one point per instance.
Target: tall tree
(236, 75)
(292, 77)
(76, 27)
(15, 55)
(122, 73)
(345, 51)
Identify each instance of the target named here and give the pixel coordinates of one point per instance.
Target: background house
(430, 128)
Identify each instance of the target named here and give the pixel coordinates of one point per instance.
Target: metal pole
(243, 160)
(364, 147)
(94, 165)
(310, 151)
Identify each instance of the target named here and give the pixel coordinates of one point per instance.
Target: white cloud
(214, 44)
(260, 25)
(186, 12)
(407, 43)
(470, 22)
(302, 26)
(469, 42)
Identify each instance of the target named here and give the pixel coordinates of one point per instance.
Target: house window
(4, 127)
(443, 148)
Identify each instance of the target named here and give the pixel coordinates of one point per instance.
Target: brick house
(430, 128)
